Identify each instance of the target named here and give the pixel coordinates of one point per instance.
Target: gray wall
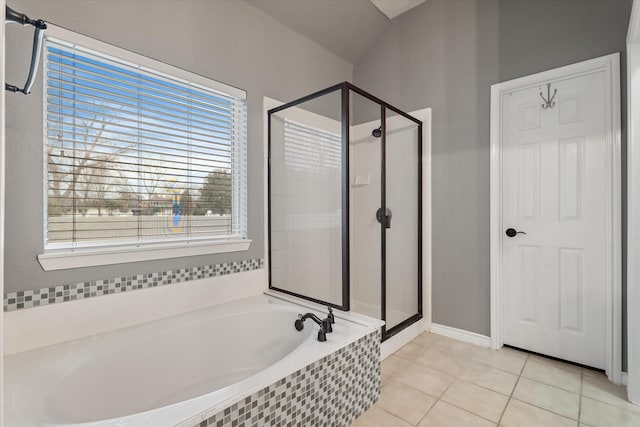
(446, 54)
(229, 41)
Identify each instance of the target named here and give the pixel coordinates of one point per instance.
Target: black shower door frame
(345, 88)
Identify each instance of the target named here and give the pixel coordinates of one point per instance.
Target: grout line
(390, 413)
(552, 385)
(493, 367)
(441, 394)
(541, 360)
(513, 390)
(545, 358)
(396, 374)
(480, 385)
(547, 409)
(580, 398)
(471, 360)
(462, 409)
(456, 378)
(557, 366)
(600, 399)
(423, 392)
(487, 388)
(427, 413)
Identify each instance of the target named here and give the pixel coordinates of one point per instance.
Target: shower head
(377, 132)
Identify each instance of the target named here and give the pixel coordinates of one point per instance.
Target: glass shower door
(403, 264)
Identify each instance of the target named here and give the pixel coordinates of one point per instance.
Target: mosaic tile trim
(332, 391)
(82, 290)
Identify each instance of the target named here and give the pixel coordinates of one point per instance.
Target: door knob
(511, 232)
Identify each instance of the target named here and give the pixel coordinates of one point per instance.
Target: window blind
(313, 156)
(311, 148)
(136, 155)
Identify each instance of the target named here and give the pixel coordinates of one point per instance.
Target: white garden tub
(165, 373)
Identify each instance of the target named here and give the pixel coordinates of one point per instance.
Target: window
(138, 153)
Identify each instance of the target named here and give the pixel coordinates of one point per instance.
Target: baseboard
(624, 378)
(402, 338)
(461, 335)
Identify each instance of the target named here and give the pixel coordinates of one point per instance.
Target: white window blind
(311, 148)
(313, 155)
(135, 155)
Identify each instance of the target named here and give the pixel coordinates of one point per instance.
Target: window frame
(56, 256)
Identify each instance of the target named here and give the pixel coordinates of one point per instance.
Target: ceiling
(393, 8)
(345, 27)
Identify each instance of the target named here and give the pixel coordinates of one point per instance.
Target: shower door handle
(387, 217)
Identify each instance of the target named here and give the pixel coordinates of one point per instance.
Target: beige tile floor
(441, 382)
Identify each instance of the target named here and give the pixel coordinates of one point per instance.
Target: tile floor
(438, 381)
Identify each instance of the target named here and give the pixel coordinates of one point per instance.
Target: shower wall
(365, 238)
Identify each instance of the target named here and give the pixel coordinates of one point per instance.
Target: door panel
(570, 169)
(385, 275)
(554, 190)
(529, 181)
(571, 289)
(401, 238)
(530, 283)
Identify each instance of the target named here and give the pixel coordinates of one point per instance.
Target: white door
(554, 189)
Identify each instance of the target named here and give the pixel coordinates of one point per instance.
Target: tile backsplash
(82, 290)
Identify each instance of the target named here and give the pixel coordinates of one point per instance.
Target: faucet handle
(322, 335)
(326, 325)
(330, 316)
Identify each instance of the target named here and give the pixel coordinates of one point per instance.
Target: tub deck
(181, 370)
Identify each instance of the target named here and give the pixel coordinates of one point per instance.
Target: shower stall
(345, 204)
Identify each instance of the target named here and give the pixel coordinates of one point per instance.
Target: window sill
(77, 258)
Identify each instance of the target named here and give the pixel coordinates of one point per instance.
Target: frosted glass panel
(306, 199)
(402, 235)
(365, 186)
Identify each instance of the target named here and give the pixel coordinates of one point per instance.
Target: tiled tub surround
(332, 391)
(185, 369)
(82, 290)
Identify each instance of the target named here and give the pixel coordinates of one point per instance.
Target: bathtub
(187, 369)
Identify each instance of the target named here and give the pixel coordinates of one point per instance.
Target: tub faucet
(325, 325)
